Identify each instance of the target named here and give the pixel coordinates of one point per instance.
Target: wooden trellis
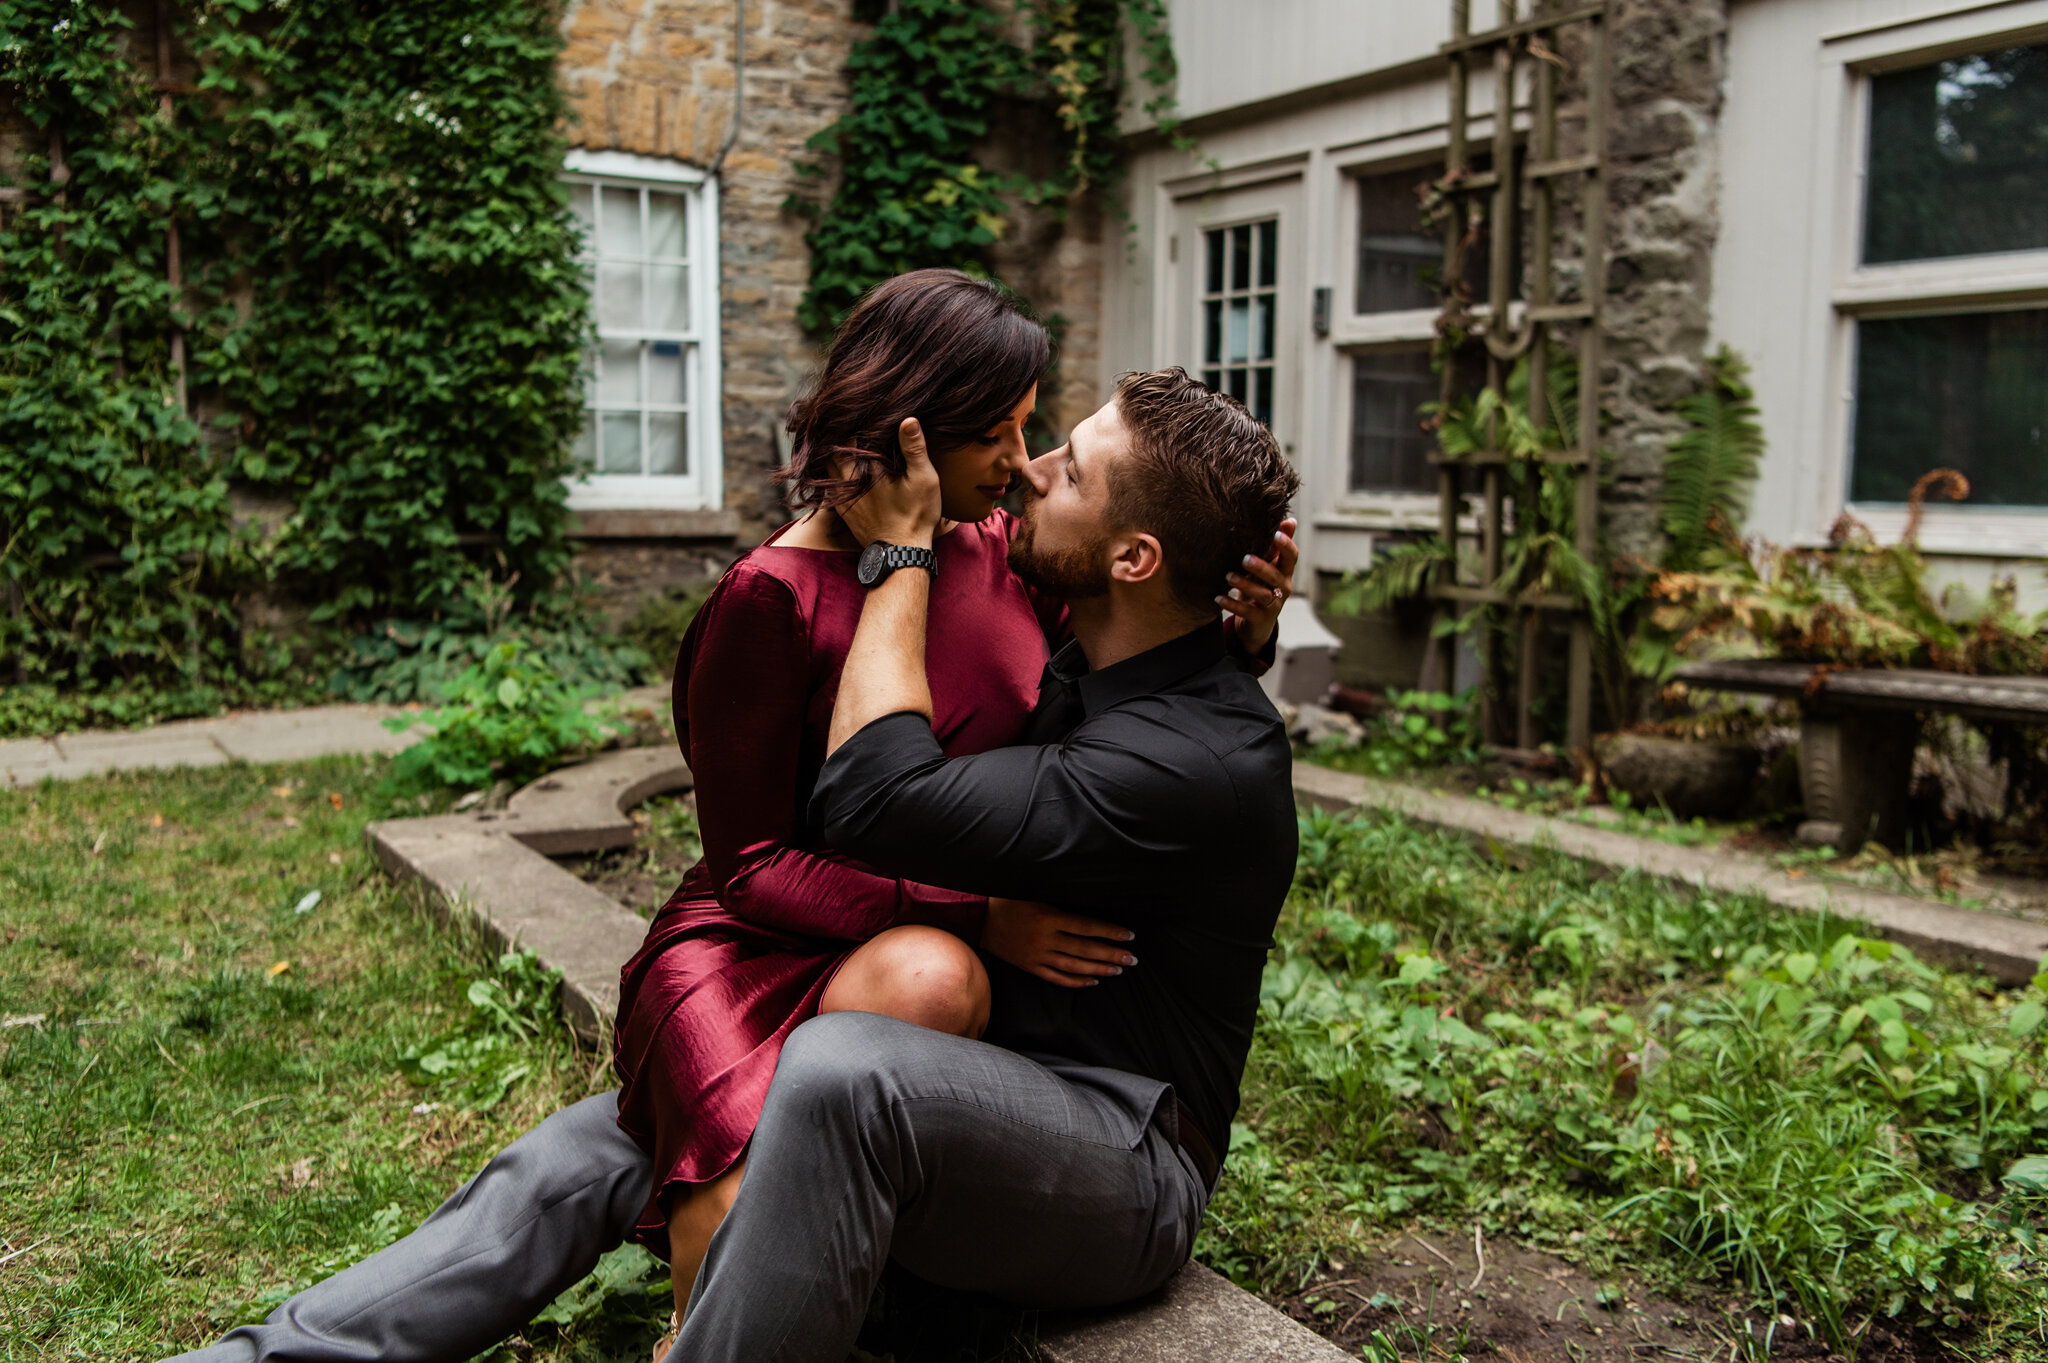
(1526, 50)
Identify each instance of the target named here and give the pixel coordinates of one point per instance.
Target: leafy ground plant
(507, 719)
(1700, 1086)
(1418, 729)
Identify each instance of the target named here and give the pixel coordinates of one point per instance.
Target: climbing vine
(379, 312)
(927, 84)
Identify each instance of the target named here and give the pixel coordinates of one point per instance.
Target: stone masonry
(656, 77)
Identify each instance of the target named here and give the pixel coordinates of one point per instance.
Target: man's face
(1065, 545)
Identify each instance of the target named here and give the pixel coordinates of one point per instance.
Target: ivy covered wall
(287, 309)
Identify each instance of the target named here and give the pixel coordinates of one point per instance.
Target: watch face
(874, 564)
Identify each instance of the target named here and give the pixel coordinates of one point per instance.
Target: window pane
(1965, 392)
(621, 442)
(1240, 257)
(1212, 331)
(1262, 326)
(665, 372)
(1213, 378)
(665, 443)
(618, 222)
(665, 225)
(668, 297)
(1269, 236)
(583, 449)
(1262, 395)
(618, 296)
(580, 205)
(1398, 262)
(1238, 331)
(1216, 252)
(618, 384)
(1240, 385)
(1959, 158)
(1389, 449)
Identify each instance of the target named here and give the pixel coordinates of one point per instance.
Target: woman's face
(973, 477)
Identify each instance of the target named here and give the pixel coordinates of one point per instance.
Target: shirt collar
(1145, 673)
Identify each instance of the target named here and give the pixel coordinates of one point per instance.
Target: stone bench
(496, 869)
(1855, 752)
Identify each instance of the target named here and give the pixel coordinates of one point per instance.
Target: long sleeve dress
(743, 951)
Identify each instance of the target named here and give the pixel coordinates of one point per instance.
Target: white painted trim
(626, 165)
(1931, 37)
(703, 488)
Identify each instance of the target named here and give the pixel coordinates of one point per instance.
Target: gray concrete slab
(187, 743)
(294, 735)
(2007, 949)
(521, 899)
(582, 808)
(25, 761)
(1198, 1317)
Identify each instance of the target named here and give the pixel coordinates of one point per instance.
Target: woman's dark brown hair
(956, 352)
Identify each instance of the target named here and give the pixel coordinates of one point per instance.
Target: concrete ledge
(648, 525)
(2007, 949)
(495, 868)
(583, 808)
(1198, 1317)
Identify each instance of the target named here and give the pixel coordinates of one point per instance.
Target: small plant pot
(1855, 771)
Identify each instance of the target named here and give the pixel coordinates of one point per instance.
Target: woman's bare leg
(922, 975)
(693, 1215)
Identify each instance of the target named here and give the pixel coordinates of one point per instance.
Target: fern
(1401, 574)
(1709, 470)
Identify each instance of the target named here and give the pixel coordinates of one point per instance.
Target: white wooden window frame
(702, 487)
(1960, 284)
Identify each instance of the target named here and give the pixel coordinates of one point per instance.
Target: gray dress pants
(1035, 1180)
(505, 1245)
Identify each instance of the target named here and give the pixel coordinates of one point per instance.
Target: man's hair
(1203, 476)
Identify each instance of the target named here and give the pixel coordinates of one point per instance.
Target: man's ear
(1138, 558)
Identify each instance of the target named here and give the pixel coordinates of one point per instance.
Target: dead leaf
(302, 1172)
(290, 822)
(334, 858)
(156, 821)
(281, 792)
(279, 968)
(334, 798)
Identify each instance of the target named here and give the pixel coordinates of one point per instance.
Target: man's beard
(1070, 574)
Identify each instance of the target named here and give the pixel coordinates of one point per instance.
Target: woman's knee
(921, 975)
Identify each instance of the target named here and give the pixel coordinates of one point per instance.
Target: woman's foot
(668, 1341)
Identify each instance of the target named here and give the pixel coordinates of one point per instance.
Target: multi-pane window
(1241, 287)
(643, 373)
(1389, 448)
(1399, 263)
(1957, 166)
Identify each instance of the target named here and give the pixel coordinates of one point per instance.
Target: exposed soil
(642, 876)
(1426, 1296)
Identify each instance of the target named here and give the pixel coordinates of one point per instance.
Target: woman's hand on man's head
(899, 510)
(1257, 593)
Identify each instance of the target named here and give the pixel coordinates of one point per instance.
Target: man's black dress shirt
(1155, 793)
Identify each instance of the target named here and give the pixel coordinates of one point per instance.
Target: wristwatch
(879, 560)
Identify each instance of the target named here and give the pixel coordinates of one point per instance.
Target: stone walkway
(246, 736)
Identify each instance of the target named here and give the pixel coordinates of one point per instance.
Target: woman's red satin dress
(742, 952)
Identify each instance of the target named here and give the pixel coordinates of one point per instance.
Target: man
(1069, 1163)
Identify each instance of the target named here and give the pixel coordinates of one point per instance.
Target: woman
(769, 929)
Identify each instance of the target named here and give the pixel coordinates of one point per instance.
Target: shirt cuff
(1260, 663)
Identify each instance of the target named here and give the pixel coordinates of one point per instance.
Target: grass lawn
(211, 1110)
(1696, 1090)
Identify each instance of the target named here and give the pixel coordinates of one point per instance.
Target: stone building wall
(656, 77)
(1663, 215)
